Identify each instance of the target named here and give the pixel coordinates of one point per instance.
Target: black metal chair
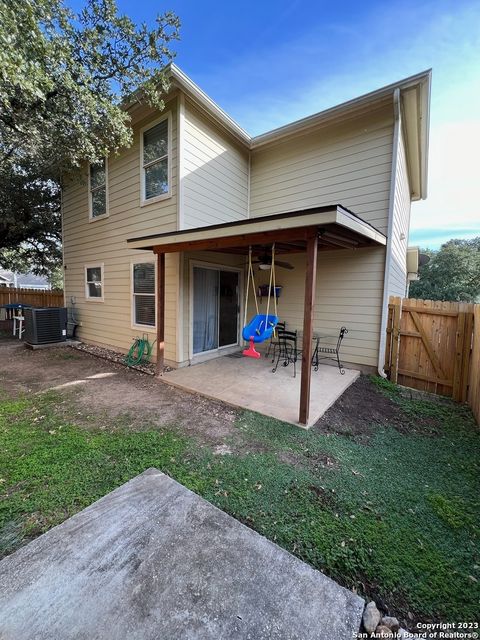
(332, 352)
(287, 350)
(273, 344)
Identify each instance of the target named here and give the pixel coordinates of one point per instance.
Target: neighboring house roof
(414, 93)
(24, 279)
(6, 276)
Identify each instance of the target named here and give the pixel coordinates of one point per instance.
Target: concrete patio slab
(250, 384)
(153, 561)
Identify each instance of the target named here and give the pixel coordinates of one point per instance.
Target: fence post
(474, 374)
(459, 354)
(388, 343)
(397, 314)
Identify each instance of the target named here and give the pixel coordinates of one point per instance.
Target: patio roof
(310, 230)
(337, 227)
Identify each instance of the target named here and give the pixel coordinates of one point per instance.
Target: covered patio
(250, 384)
(243, 382)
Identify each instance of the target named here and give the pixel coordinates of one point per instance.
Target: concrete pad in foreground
(154, 561)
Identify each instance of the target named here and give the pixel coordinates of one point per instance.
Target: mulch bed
(119, 358)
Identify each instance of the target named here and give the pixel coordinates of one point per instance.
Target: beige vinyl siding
(349, 293)
(109, 323)
(401, 223)
(347, 164)
(215, 174)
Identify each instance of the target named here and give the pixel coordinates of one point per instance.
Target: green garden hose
(139, 352)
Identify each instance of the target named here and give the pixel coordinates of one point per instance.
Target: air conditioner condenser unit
(45, 326)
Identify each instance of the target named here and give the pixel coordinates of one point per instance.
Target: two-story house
(329, 193)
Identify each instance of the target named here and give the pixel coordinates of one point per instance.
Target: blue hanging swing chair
(262, 325)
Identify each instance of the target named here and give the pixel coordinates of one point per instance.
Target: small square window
(94, 282)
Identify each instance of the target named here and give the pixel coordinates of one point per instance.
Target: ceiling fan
(265, 262)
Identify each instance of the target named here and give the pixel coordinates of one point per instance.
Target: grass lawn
(394, 515)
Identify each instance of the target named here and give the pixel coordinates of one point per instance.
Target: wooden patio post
(308, 309)
(160, 313)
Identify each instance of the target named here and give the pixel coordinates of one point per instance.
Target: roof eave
(416, 125)
(199, 96)
(341, 109)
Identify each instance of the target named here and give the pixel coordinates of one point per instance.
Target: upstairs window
(155, 161)
(143, 277)
(98, 190)
(94, 282)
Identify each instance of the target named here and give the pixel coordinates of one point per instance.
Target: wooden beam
(260, 250)
(308, 310)
(243, 240)
(345, 240)
(160, 313)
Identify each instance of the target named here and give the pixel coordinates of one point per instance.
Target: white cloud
(454, 178)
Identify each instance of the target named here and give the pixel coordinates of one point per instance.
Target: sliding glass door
(205, 310)
(215, 308)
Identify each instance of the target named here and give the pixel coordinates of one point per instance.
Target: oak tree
(63, 79)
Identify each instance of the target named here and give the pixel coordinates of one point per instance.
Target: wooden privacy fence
(474, 382)
(435, 346)
(31, 296)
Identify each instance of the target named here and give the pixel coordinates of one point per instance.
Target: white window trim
(95, 265)
(91, 217)
(143, 202)
(144, 327)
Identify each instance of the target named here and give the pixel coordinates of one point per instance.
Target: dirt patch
(102, 394)
(98, 393)
(291, 457)
(312, 459)
(360, 408)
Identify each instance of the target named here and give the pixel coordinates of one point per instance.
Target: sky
(270, 62)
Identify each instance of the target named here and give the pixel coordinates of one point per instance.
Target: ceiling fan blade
(284, 265)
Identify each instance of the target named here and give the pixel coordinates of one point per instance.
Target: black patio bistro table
(291, 357)
(316, 337)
